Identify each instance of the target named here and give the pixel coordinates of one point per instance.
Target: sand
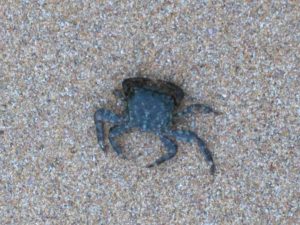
(61, 60)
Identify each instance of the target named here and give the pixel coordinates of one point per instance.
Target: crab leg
(202, 108)
(171, 151)
(186, 135)
(104, 115)
(115, 132)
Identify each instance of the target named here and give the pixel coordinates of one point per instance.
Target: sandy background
(61, 60)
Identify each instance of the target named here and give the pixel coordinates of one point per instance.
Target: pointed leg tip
(122, 156)
(218, 113)
(103, 147)
(212, 169)
(150, 165)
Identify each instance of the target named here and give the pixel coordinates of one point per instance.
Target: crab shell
(159, 86)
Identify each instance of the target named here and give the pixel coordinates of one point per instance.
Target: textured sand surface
(61, 60)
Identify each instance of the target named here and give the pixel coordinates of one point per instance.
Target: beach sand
(61, 60)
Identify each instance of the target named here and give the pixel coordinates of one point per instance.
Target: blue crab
(151, 107)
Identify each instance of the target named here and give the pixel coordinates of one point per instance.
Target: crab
(152, 106)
